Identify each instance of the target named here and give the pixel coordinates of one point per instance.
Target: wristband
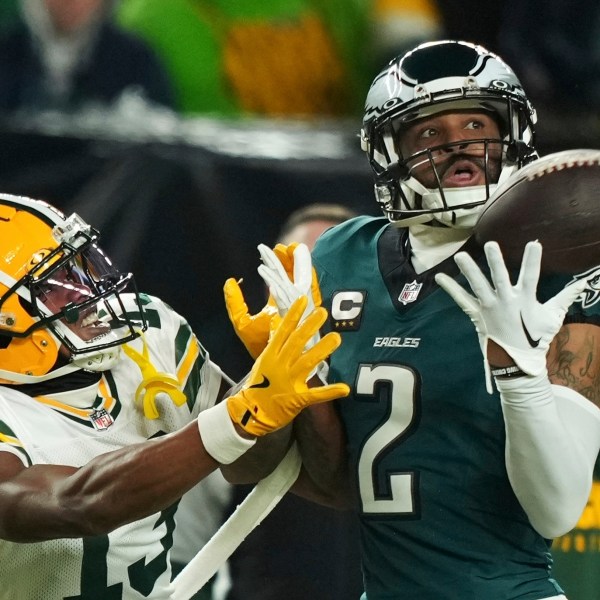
(507, 372)
(219, 436)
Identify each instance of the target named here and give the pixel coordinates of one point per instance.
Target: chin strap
(153, 382)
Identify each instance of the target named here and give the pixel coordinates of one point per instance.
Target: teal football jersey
(426, 441)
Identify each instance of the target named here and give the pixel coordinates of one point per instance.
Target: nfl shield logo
(101, 419)
(410, 292)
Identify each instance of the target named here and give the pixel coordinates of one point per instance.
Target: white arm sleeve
(552, 441)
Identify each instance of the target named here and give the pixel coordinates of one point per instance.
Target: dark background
(186, 212)
(183, 217)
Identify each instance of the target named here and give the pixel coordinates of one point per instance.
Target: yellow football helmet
(60, 295)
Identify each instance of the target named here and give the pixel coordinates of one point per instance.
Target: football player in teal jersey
(463, 473)
(110, 412)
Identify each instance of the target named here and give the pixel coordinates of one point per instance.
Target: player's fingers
(291, 338)
(279, 285)
(475, 278)
(456, 292)
(320, 351)
(530, 267)
(315, 289)
(302, 268)
(285, 254)
(285, 250)
(270, 260)
(236, 306)
(304, 333)
(498, 271)
(568, 295)
(326, 393)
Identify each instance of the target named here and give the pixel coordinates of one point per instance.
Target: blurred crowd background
(279, 58)
(188, 131)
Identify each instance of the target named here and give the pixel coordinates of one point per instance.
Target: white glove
(511, 315)
(285, 291)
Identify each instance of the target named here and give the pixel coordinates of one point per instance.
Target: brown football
(556, 200)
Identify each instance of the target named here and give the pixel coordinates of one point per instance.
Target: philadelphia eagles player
(108, 413)
(459, 486)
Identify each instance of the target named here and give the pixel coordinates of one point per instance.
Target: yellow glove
(276, 389)
(253, 330)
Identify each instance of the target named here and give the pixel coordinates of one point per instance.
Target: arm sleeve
(552, 441)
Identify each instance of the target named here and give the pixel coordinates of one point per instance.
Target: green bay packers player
(109, 413)
(459, 486)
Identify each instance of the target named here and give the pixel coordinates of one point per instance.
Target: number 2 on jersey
(399, 494)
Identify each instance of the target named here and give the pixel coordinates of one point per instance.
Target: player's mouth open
(463, 173)
(90, 319)
(89, 326)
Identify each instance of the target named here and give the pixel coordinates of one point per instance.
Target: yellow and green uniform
(69, 424)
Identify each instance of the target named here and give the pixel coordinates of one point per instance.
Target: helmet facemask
(411, 190)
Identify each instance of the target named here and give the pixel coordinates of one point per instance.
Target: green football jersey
(426, 442)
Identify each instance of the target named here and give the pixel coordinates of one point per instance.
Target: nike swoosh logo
(263, 384)
(533, 343)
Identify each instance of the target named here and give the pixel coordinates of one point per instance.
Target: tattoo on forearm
(579, 371)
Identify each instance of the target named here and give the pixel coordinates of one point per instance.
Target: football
(555, 200)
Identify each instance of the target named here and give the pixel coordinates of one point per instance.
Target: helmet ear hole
(398, 171)
(27, 306)
(512, 153)
(4, 341)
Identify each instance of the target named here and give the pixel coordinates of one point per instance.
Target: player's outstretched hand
(289, 274)
(511, 315)
(276, 389)
(297, 263)
(253, 330)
